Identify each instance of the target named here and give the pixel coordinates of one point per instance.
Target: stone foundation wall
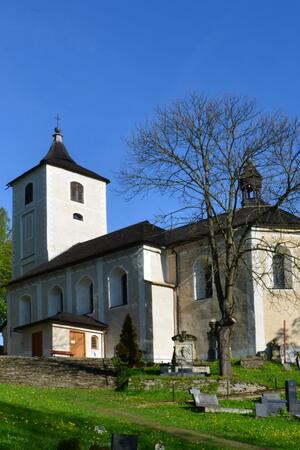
(57, 372)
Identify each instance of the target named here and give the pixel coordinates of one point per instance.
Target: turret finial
(57, 131)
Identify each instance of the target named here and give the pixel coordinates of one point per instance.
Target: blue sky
(104, 66)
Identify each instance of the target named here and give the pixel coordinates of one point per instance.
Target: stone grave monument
(184, 356)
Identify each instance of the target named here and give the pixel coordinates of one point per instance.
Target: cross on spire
(58, 119)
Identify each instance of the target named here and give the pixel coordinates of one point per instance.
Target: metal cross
(57, 118)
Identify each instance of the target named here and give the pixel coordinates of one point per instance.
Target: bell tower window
(76, 192)
(28, 193)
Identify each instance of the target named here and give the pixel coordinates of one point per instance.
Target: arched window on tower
(202, 279)
(77, 194)
(117, 287)
(28, 193)
(85, 296)
(25, 310)
(55, 301)
(282, 268)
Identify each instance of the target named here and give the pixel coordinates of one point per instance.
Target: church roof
(68, 318)
(147, 233)
(139, 233)
(256, 216)
(58, 156)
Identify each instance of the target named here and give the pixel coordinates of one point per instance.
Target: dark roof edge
(57, 320)
(57, 164)
(81, 260)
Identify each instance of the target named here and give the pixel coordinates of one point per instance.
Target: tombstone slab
(293, 404)
(124, 442)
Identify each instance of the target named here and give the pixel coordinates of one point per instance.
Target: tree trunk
(224, 341)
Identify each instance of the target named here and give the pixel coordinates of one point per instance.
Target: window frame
(76, 192)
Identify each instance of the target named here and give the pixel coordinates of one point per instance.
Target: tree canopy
(202, 150)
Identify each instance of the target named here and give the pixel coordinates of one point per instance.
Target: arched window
(77, 192)
(28, 193)
(94, 342)
(25, 310)
(202, 279)
(117, 284)
(78, 216)
(282, 268)
(85, 296)
(55, 301)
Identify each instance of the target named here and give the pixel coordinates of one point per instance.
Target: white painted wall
(24, 260)
(155, 265)
(162, 323)
(62, 230)
(61, 340)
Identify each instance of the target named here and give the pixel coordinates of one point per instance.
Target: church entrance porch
(77, 343)
(64, 335)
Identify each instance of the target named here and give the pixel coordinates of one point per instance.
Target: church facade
(74, 283)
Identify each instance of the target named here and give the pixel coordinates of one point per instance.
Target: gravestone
(252, 362)
(210, 403)
(124, 442)
(185, 352)
(293, 404)
(270, 404)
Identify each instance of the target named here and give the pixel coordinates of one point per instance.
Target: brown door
(77, 344)
(37, 343)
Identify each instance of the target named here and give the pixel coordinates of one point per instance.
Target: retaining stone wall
(57, 372)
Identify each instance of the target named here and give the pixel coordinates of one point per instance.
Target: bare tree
(214, 155)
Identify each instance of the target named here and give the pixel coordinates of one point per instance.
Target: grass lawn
(37, 418)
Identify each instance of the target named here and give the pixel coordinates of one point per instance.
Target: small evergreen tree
(127, 349)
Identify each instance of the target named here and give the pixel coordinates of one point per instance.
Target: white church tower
(56, 205)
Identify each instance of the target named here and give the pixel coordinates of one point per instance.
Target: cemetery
(181, 413)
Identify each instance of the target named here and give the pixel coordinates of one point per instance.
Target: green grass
(271, 375)
(37, 418)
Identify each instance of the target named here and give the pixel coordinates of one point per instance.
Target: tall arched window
(202, 279)
(282, 268)
(76, 192)
(117, 284)
(55, 301)
(25, 310)
(28, 193)
(85, 296)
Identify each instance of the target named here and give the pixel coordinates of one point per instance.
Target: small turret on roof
(250, 183)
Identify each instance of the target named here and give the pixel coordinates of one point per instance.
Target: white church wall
(162, 323)
(61, 340)
(29, 249)
(155, 265)
(129, 260)
(63, 230)
(274, 306)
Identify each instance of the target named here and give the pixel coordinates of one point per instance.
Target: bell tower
(56, 204)
(250, 184)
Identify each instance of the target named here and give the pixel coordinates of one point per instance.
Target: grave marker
(124, 442)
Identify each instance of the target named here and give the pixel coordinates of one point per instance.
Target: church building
(74, 283)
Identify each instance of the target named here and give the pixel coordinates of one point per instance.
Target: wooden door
(37, 343)
(77, 343)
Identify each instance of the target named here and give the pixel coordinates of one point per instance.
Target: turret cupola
(250, 184)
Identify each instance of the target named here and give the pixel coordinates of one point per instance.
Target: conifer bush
(127, 349)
